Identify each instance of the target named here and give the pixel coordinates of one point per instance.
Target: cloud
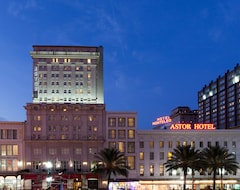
(18, 8)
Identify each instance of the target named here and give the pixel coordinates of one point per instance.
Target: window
(65, 151)
(52, 151)
(131, 122)
(141, 171)
(225, 144)
(121, 134)
(131, 134)
(112, 134)
(151, 144)
(112, 122)
(161, 170)
(131, 162)
(161, 144)
(161, 155)
(177, 143)
(234, 144)
(151, 156)
(209, 144)
(170, 144)
(112, 144)
(141, 155)
(121, 146)
(151, 170)
(121, 122)
(141, 144)
(201, 144)
(131, 147)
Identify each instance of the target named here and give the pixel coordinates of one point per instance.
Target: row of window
(57, 99)
(8, 134)
(121, 146)
(64, 68)
(121, 134)
(77, 91)
(160, 171)
(90, 118)
(8, 150)
(161, 144)
(121, 122)
(8, 165)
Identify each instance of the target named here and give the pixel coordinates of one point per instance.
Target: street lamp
(49, 177)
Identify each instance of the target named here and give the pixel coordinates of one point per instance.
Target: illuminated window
(121, 146)
(192, 144)
(161, 144)
(131, 122)
(161, 170)
(131, 162)
(121, 134)
(89, 75)
(184, 143)
(88, 60)
(89, 68)
(151, 144)
(3, 150)
(141, 171)
(177, 143)
(151, 156)
(151, 170)
(141, 155)
(170, 144)
(112, 122)
(67, 60)
(131, 147)
(131, 134)
(15, 150)
(112, 134)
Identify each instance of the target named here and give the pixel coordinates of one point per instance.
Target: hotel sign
(191, 126)
(162, 120)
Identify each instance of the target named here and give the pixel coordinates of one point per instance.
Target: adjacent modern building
(219, 101)
(184, 114)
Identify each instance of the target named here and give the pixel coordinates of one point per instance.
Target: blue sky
(157, 53)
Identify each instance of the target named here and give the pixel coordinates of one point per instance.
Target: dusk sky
(157, 53)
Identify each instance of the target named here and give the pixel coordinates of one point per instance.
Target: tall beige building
(67, 74)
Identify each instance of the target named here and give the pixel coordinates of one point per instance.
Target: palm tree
(184, 157)
(110, 161)
(217, 158)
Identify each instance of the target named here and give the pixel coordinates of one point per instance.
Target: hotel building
(67, 124)
(219, 101)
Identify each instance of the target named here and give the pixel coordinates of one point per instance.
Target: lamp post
(49, 177)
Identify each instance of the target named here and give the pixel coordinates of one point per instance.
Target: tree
(183, 157)
(217, 158)
(110, 161)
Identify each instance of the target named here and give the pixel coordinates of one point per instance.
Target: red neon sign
(190, 126)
